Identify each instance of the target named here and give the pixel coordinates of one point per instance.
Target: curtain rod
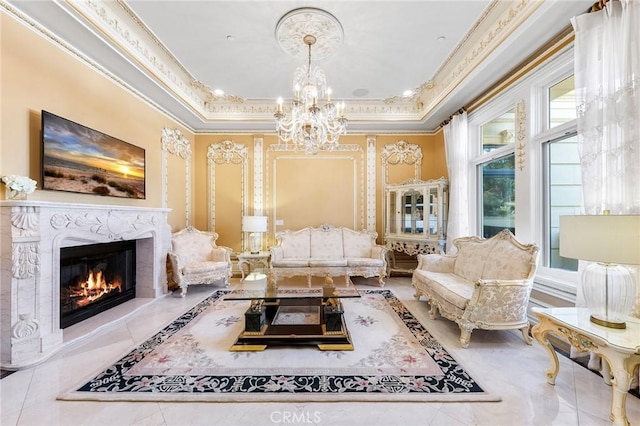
(460, 111)
(599, 5)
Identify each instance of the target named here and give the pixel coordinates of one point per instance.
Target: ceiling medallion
(296, 24)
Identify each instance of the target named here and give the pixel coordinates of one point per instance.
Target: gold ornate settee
(485, 285)
(328, 251)
(195, 259)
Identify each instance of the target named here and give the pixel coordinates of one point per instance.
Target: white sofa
(328, 251)
(195, 259)
(485, 285)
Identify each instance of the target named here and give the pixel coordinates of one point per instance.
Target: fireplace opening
(94, 278)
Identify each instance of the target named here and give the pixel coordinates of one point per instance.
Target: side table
(619, 348)
(251, 260)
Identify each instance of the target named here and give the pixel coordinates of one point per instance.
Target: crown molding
(125, 31)
(118, 28)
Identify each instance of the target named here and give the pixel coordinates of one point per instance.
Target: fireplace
(34, 233)
(94, 278)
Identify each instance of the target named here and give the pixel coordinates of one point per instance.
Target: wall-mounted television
(76, 158)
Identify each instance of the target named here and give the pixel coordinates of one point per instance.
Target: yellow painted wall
(37, 75)
(301, 189)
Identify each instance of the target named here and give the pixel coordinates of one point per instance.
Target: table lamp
(255, 225)
(608, 240)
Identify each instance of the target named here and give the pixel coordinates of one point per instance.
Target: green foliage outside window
(498, 195)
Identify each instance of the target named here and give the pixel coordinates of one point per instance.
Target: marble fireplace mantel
(32, 233)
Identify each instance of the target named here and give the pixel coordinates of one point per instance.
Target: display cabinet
(416, 218)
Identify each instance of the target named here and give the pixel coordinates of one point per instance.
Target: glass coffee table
(293, 316)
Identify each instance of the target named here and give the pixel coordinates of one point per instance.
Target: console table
(252, 260)
(620, 348)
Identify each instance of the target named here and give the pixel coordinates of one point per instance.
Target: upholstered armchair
(195, 259)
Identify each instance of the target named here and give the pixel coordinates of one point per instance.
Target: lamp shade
(601, 238)
(254, 224)
(608, 240)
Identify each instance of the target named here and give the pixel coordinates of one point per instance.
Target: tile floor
(498, 359)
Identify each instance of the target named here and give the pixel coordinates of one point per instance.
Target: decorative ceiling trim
(122, 27)
(491, 30)
(125, 31)
(45, 33)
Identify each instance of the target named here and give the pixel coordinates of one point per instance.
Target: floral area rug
(395, 359)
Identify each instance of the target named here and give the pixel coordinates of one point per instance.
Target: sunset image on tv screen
(76, 158)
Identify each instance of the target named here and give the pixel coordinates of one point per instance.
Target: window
(499, 132)
(563, 194)
(538, 178)
(562, 102)
(498, 195)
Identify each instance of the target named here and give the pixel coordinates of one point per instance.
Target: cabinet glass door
(445, 210)
(412, 212)
(392, 214)
(433, 211)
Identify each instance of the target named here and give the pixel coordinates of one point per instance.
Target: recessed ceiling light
(218, 92)
(360, 92)
(407, 93)
(229, 38)
(441, 38)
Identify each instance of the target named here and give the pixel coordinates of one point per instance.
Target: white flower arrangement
(20, 183)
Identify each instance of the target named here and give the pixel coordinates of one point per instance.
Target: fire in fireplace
(94, 278)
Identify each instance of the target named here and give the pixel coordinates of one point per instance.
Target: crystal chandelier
(308, 125)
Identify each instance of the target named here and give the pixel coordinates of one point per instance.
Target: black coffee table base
(293, 322)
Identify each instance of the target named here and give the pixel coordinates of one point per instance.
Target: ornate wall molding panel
(371, 183)
(339, 152)
(402, 152)
(398, 153)
(226, 152)
(174, 142)
(521, 134)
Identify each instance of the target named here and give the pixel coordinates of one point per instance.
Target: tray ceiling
(179, 54)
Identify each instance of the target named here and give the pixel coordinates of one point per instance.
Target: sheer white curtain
(607, 84)
(607, 80)
(456, 146)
